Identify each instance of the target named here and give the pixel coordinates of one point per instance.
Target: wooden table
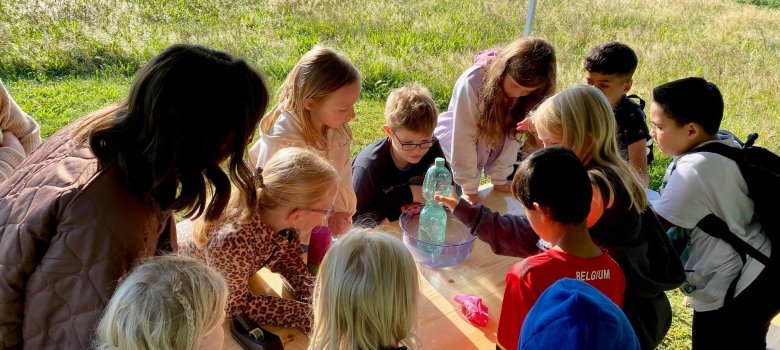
(441, 325)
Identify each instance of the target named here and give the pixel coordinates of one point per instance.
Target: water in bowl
(456, 248)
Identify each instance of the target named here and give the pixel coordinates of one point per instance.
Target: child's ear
(308, 103)
(545, 211)
(293, 216)
(628, 85)
(387, 130)
(693, 130)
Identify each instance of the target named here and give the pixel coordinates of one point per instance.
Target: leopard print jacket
(238, 251)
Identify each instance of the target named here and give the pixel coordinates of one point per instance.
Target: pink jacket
(69, 229)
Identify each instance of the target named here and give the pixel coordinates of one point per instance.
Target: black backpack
(761, 170)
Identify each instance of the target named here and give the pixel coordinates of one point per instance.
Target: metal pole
(529, 19)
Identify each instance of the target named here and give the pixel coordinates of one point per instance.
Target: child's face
(548, 139)
(215, 339)
(672, 138)
(610, 85)
(308, 218)
(337, 108)
(513, 89)
(409, 146)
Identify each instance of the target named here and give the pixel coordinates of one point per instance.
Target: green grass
(63, 58)
(765, 3)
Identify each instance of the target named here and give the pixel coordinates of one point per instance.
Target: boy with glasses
(389, 173)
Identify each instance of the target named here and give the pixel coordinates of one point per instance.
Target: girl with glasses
(295, 193)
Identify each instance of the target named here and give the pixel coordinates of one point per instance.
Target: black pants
(743, 322)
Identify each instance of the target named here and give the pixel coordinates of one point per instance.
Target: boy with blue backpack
(717, 188)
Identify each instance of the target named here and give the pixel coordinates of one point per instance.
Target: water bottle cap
(439, 161)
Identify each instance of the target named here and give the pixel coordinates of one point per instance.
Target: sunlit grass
(63, 58)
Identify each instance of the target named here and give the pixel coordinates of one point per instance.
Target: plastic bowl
(456, 248)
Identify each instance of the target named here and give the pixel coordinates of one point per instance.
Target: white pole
(529, 19)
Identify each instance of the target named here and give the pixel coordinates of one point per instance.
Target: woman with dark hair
(100, 193)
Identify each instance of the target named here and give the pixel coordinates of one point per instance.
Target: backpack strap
(715, 227)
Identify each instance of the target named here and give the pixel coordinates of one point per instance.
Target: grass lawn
(63, 58)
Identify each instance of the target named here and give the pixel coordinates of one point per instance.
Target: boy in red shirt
(555, 191)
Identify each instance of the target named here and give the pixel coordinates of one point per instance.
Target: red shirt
(527, 279)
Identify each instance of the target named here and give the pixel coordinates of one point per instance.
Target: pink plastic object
(318, 245)
(473, 309)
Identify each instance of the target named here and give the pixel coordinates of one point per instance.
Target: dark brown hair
(189, 109)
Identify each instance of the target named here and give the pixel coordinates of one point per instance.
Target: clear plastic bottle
(433, 218)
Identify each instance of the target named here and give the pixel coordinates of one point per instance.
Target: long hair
(318, 73)
(294, 177)
(531, 63)
(582, 117)
(365, 294)
(188, 110)
(167, 302)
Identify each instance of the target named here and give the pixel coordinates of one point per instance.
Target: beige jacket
(287, 131)
(14, 120)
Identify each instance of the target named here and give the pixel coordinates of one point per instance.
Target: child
(733, 298)
(19, 134)
(389, 173)
(168, 302)
(571, 314)
(316, 101)
(295, 193)
(580, 118)
(555, 192)
(478, 130)
(103, 192)
(610, 68)
(366, 295)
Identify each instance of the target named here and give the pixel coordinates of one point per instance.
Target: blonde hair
(411, 107)
(531, 63)
(318, 73)
(294, 177)
(168, 302)
(365, 294)
(585, 122)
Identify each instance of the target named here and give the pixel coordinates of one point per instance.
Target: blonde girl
(168, 302)
(365, 296)
(295, 192)
(580, 118)
(478, 130)
(316, 103)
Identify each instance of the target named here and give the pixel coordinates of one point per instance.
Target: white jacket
(287, 131)
(459, 138)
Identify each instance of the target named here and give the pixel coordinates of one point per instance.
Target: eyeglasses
(327, 212)
(413, 146)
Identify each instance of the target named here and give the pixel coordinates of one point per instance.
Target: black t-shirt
(632, 127)
(381, 188)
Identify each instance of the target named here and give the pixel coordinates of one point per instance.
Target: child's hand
(447, 201)
(417, 195)
(527, 124)
(507, 187)
(339, 223)
(10, 140)
(471, 198)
